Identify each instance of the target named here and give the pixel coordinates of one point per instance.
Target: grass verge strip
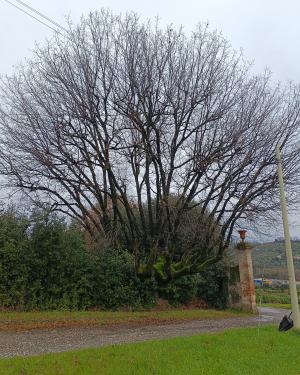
(250, 351)
(62, 319)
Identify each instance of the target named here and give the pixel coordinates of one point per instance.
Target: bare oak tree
(150, 138)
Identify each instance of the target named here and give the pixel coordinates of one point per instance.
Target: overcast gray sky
(268, 31)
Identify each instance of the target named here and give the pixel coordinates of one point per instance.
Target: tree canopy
(130, 128)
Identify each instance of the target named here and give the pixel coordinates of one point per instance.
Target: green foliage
(269, 260)
(44, 265)
(61, 270)
(209, 286)
(117, 285)
(14, 255)
(267, 295)
(181, 290)
(213, 285)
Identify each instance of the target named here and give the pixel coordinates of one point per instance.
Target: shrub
(213, 285)
(14, 256)
(209, 286)
(44, 265)
(117, 284)
(180, 291)
(61, 275)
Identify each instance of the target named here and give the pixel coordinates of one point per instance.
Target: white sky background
(268, 31)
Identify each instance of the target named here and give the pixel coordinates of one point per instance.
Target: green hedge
(117, 285)
(210, 286)
(44, 265)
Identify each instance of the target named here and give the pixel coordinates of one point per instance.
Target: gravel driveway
(46, 341)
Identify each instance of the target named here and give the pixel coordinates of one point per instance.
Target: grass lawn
(233, 352)
(287, 306)
(276, 298)
(17, 321)
(268, 295)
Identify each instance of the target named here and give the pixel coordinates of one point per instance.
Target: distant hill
(269, 260)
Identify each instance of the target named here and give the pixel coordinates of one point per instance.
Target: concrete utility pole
(288, 247)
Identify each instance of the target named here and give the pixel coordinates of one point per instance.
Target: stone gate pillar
(248, 294)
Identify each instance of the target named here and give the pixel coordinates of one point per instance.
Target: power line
(41, 15)
(37, 19)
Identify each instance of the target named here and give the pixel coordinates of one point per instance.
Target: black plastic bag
(286, 323)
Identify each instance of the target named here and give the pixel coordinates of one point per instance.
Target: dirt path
(43, 341)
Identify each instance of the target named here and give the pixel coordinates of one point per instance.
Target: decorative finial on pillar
(242, 233)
